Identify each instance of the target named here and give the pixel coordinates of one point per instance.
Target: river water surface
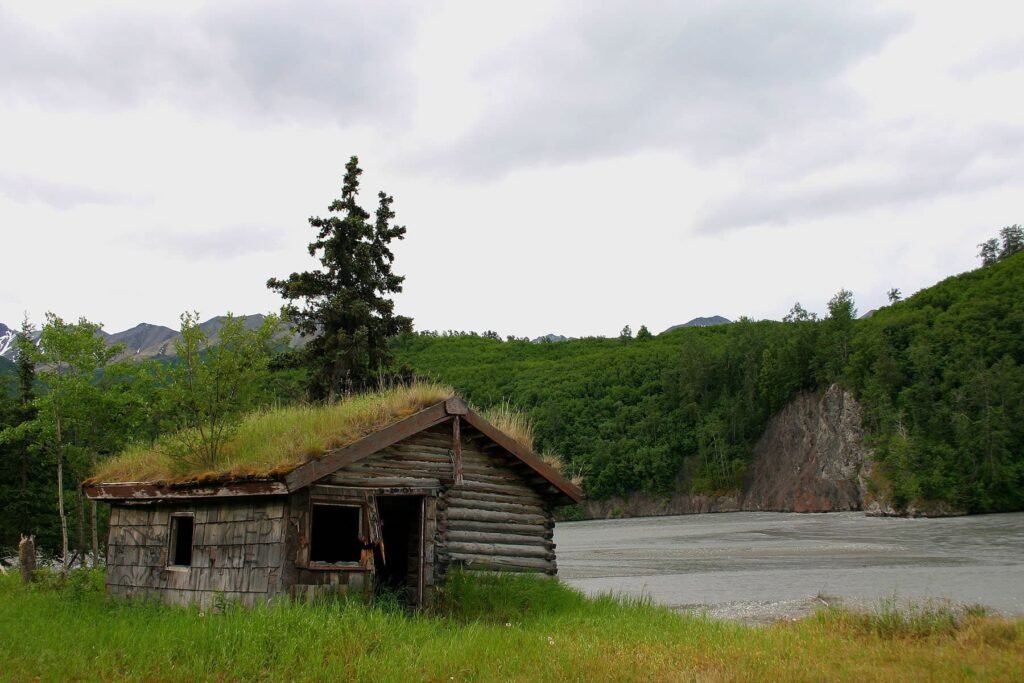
(766, 565)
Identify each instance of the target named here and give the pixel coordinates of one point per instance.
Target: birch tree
(217, 381)
(67, 360)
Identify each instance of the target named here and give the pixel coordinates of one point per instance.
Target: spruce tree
(26, 361)
(344, 306)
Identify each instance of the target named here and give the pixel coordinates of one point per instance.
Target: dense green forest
(939, 375)
(7, 369)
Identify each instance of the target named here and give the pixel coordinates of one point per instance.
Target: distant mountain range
(145, 340)
(701, 322)
(156, 341)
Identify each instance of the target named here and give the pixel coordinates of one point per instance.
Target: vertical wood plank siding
(237, 550)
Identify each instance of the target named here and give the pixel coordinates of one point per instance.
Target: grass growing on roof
(271, 442)
(518, 425)
(511, 421)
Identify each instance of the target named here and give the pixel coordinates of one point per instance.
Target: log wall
(237, 551)
(495, 519)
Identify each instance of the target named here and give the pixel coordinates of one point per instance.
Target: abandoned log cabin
(398, 507)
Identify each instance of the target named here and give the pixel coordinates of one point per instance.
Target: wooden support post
(457, 449)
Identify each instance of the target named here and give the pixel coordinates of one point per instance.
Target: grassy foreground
(494, 628)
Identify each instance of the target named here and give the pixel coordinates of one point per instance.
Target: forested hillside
(939, 374)
(942, 381)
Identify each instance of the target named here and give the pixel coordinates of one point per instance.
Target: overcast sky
(561, 167)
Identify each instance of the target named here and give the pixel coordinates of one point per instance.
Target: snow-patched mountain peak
(7, 336)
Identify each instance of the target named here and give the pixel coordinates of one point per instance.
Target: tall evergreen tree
(26, 361)
(344, 306)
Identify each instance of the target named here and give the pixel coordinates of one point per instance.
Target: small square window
(181, 541)
(335, 534)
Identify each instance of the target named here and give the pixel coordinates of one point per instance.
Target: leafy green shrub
(75, 586)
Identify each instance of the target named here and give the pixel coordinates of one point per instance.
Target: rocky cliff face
(811, 458)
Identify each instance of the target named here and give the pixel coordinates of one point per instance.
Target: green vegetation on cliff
(940, 375)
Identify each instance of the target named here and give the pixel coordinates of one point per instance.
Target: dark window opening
(181, 541)
(335, 534)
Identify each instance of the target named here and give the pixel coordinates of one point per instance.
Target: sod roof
(292, 444)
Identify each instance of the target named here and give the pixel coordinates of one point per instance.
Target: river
(759, 566)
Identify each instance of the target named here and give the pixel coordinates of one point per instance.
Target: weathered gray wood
(505, 490)
(509, 496)
(467, 536)
(396, 482)
(138, 535)
(418, 466)
(454, 502)
(133, 516)
(499, 550)
(497, 527)
(496, 517)
(337, 493)
(499, 561)
(134, 491)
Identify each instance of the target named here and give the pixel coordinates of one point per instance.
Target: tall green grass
(486, 628)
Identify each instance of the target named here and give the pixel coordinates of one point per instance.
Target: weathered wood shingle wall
(237, 551)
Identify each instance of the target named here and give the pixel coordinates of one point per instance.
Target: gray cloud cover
(303, 60)
(225, 243)
(922, 166)
(59, 195)
(708, 80)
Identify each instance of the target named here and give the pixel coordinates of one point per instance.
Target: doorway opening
(399, 568)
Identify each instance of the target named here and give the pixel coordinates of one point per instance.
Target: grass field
(495, 628)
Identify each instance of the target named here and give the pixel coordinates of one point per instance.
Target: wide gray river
(765, 565)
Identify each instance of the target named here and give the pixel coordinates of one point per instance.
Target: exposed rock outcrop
(811, 457)
(876, 507)
(645, 505)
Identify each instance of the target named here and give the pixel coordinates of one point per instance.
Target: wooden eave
(334, 460)
(149, 491)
